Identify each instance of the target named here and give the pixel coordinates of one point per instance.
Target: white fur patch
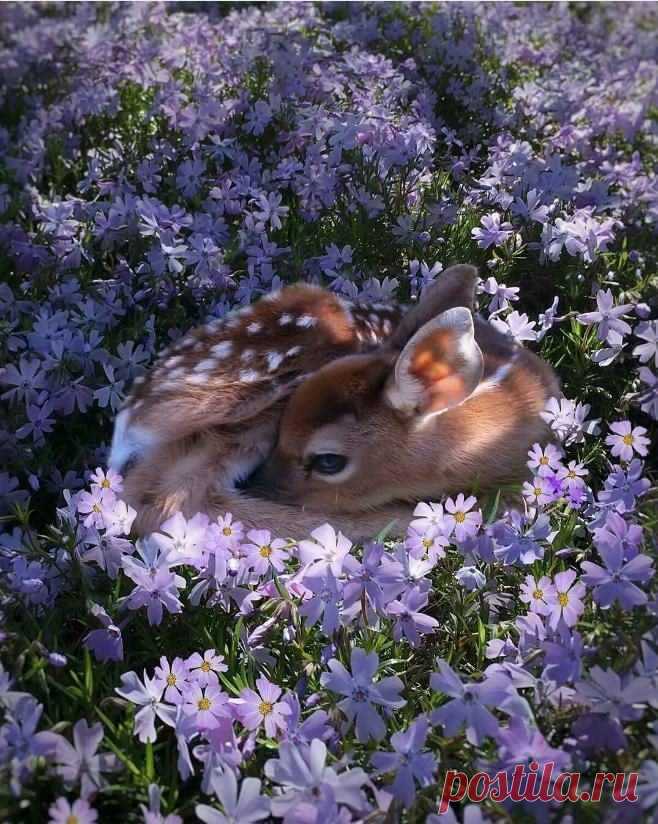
(249, 376)
(294, 350)
(274, 360)
(306, 321)
(285, 319)
(197, 380)
(128, 441)
(205, 365)
(254, 328)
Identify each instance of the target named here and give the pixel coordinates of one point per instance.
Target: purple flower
(244, 807)
(262, 708)
(147, 696)
(206, 705)
(646, 351)
(624, 486)
(614, 582)
(565, 602)
(173, 677)
(537, 594)
(622, 698)
(562, 657)
(470, 578)
(493, 232)
(305, 780)
(516, 326)
(79, 812)
(468, 707)
(410, 622)
(80, 762)
(409, 761)
(362, 693)
(325, 601)
(205, 669)
(618, 533)
(106, 643)
(608, 316)
(521, 743)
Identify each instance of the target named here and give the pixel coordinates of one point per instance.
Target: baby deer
(208, 412)
(446, 404)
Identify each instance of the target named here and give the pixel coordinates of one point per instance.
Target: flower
(468, 707)
(646, 351)
(410, 622)
(262, 708)
(608, 316)
(204, 668)
(470, 578)
(305, 778)
(606, 692)
(148, 696)
(173, 677)
(238, 808)
(537, 593)
(265, 553)
(362, 693)
(80, 762)
(493, 232)
(626, 440)
(409, 761)
(327, 549)
(460, 520)
(614, 582)
(79, 812)
(564, 602)
(205, 704)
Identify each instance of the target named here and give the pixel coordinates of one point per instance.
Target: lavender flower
(262, 707)
(79, 812)
(238, 808)
(409, 761)
(362, 693)
(614, 582)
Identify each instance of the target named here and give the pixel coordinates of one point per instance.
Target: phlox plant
(163, 164)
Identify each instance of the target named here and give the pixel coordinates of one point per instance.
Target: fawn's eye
(326, 463)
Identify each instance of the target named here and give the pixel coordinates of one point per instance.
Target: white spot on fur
(223, 349)
(274, 360)
(272, 295)
(294, 350)
(205, 365)
(254, 328)
(285, 319)
(247, 355)
(306, 321)
(249, 375)
(197, 380)
(171, 362)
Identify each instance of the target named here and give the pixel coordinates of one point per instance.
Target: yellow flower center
(571, 474)
(563, 599)
(205, 667)
(96, 508)
(460, 517)
(105, 483)
(73, 819)
(227, 531)
(538, 594)
(427, 542)
(171, 680)
(265, 708)
(543, 460)
(204, 703)
(265, 551)
(628, 440)
(537, 491)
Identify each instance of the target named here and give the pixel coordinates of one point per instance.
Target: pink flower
(204, 668)
(464, 523)
(544, 460)
(206, 705)
(256, 708)
(565, 601)
(265, 553)
(537, 593)
(63, 812)
(626, 440)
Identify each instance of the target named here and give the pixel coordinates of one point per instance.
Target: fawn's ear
(454, 287)
(439, 367)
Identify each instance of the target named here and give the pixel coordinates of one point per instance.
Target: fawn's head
(421, 415)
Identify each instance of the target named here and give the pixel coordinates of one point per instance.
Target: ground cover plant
(160, 165)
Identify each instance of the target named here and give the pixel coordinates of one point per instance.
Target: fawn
(208, 411)
(302, 409)
(446, 404)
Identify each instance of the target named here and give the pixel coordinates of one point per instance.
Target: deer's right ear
(454, 287)
(438, 368)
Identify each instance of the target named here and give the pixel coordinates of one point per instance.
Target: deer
(445, 404)
(207, 412)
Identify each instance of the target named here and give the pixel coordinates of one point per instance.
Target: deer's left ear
(439, 367)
